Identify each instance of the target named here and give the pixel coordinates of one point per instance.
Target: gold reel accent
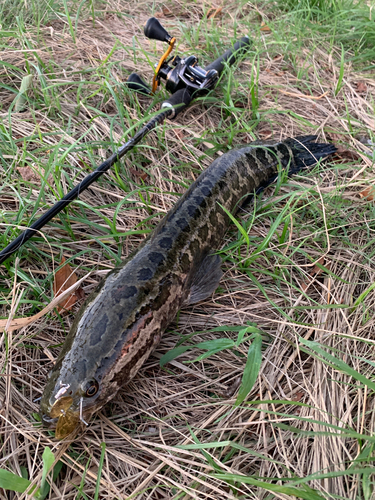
(155, 80)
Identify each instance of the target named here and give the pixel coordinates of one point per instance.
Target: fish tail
(307, 152)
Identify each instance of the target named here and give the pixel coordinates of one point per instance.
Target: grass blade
(48, 459)
(100, 468)
(316, 348)
(12, 482)
(254, 360)
(306, 493)
(341, 74)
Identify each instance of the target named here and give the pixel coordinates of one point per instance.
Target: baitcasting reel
(181, 73)
(184, 80)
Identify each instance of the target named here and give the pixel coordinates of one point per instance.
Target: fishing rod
(184, 79)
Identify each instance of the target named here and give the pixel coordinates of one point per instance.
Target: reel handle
(135, 82)
(155, 31)
(230, 55)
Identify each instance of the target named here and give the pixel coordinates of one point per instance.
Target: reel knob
(155, 31)
(135, 82)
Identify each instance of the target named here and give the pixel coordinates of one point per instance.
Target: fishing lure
(122, 321)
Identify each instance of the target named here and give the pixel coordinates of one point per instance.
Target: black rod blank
(176, 103)
(87, 181)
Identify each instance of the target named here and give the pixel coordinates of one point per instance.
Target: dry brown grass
(151, 416)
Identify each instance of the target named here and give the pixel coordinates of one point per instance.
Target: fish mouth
(48, 421)
(62, 417)
(66, 424)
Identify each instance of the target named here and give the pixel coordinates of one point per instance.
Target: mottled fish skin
(122, 321)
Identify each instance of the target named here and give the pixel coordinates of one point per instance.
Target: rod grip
(230, 55)
(178, 102)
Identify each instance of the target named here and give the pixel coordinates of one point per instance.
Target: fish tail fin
(307, 152)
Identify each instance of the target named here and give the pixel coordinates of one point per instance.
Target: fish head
(110, 338)
(69, 398)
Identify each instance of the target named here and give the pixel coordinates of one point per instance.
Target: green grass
(346, 22)
(39, 13)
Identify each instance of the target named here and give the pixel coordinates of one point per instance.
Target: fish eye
(90, 387)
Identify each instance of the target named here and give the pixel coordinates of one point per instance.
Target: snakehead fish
(122, 321)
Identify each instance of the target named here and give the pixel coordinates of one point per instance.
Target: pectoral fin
(206, 280)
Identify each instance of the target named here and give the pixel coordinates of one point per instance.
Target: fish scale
(122, 321)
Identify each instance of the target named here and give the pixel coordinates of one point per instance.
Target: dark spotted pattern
(115, 330)
(98, 332)
(127, 291)
(192, 210)
(156, 258)
(145, 274)
(165, 242)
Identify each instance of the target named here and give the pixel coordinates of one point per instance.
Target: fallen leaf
(214, 12)
(65, 277)
(17, 323)
(316, 269)
(138, 174)
(298, 396)
(265, 134)
(80, 293)
(18, 139)
(30, 175)
(264, 27)
(179, 133)
(81, 164)
(361, 87)
(165, 12)
(368, 193)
